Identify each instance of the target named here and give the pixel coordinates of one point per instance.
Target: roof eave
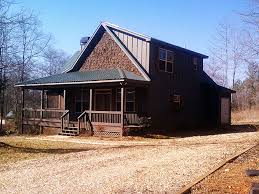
(179, 48)
(70, 83)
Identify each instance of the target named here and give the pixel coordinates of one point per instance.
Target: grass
(13, 149)
(246, 116)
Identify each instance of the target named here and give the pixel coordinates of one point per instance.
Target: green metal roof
(71, 61)
(87, 76)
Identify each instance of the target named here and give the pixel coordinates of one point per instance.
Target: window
(177, 102)
(195, 63)
(53, 100)
(166, 60)
(103, 100)
(129, 101)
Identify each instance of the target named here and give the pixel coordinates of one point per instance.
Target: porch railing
(131, 119)
(65, 120)
(113, 117)
(82, 121)
(30, 113)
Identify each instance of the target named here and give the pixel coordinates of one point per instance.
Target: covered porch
(100, 107)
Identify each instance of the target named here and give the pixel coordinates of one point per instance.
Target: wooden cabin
(123, 80)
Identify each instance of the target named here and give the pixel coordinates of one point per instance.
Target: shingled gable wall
(107, 55)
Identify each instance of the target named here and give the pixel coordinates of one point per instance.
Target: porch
(98, 102)
(102, 110)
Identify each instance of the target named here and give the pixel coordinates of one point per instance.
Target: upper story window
(166, 60)
(195, 63)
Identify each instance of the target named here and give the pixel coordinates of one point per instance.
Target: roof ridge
(146, 37)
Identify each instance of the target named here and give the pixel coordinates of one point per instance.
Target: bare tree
(31, 43)
(251, 21)
(220, 50)
(53, 61)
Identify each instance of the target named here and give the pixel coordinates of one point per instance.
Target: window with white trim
(166, 60)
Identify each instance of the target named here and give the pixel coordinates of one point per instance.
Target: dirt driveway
(144, 166)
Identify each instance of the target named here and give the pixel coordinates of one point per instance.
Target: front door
(103, 99)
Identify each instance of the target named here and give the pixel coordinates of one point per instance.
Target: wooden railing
(65, 119)
(131, 119)
(113, 117)
(82, 121)
(30, 113)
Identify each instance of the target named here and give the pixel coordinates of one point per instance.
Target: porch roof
(87, 77)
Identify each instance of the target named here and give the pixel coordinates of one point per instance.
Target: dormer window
(166, 60)
(195, 63)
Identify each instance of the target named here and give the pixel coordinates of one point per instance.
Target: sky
(186, 23)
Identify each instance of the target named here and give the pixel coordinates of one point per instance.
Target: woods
(234, 57)
(26, 52)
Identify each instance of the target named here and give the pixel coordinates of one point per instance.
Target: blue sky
(186, 23)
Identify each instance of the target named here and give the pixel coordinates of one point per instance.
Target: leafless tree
(31, 43)
(53, 61)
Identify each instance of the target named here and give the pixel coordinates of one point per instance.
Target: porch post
(122, 109)
(42, 103)
(22, 110)
(41, 107)
(64, 98)
(90, 103)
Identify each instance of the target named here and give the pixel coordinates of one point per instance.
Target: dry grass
(246, 117)
(13, 149)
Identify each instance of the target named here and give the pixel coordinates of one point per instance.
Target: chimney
(83, 41)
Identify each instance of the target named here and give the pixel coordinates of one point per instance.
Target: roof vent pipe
(83, 41)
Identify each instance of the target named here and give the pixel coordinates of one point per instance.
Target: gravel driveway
(152, 166)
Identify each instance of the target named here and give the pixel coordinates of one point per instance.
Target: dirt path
(157, 166)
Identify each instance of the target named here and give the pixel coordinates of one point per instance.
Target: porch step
(68, 134)
(71, 127)
(70, 131)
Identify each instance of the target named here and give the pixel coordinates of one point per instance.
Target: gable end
(108, 55)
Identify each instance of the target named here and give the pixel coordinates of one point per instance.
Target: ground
(54, 164)
(231, 178)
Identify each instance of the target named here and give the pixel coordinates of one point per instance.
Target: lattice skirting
(107, 133)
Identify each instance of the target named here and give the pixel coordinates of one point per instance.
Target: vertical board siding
(138, 47)
(140, 51)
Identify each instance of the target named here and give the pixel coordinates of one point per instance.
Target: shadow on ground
(60, 150)
(199, 132)
(39, 150)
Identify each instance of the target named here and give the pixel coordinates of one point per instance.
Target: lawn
(15, 148)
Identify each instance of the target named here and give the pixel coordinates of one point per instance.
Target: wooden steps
(70, 131)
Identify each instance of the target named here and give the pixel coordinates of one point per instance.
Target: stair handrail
(82, 115)
(65, 114)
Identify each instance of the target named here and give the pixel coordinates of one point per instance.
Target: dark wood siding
(184, 81)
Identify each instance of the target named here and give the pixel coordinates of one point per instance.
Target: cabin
(121, 81)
